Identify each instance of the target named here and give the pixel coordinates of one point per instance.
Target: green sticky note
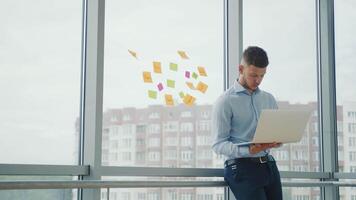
(181, 94)
(170, 83)
(173, 66)
(152, 94)
(195, 75)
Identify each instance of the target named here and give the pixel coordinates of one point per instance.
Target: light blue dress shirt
(234, 120)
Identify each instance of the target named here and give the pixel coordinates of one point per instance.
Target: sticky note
(189, 100)
(171, 83)
(202, 87)
(187, 74)
(160, 86)
(202, 71)
(169, 100)
(134, 54)
(147, 77)
(157, 67)
(152, 94)
(173, 66)
(181, 94)
(190, 85)
(183, 55)
(195, 75)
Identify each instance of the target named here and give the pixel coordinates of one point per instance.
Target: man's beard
(244, 83)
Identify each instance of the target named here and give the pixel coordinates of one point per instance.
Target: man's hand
(255, 148)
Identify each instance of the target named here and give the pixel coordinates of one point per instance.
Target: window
(170, 154)
(345, 47)
(154, 156)
(261, 27)
(154, 128)
(171, 126)
(154, 115)
(154, 142)
(186, 127)
(40, 81)
(351, 127)
(186, 114)
(186, 155)
(186, 141)
(204, 125)
(162, 104)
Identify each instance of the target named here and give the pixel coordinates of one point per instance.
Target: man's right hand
(255, 148)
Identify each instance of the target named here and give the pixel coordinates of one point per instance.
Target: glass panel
(288, 36)
(301, 193)
(348, 193)
(345, 49)
(157, 99)
(40, 55)
(198, 193)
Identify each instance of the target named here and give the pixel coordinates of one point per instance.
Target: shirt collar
(239, 88)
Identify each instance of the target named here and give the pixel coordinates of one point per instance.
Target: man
(250, 171)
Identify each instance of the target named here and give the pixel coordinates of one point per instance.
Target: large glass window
(345, 49)
(287, 31)
(40, 56)
(163, 71)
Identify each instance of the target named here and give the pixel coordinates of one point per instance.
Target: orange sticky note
(202, 71)
(147, 77)
(190, 85)
(134, 54)
(202, 87)
(169, 100)
(157, 67)
(183, 55)
(189, 100)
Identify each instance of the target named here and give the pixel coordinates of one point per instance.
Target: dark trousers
(250, 180)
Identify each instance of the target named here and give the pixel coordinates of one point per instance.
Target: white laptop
(281, 126)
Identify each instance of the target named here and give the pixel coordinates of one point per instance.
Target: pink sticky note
(187, 74)
(160, 87)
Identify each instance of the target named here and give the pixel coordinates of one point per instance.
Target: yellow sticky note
(134, 54)
(173, 66)
(171, 83)
(183, 55)
(189, 100)
(202, 87)
(169, 100)
(152, 94)
(147, 77)
(157, 67)
(190, 85)
(202, 71)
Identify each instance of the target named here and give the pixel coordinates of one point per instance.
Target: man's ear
(241, 68)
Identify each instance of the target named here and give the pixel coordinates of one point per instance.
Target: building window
(205, 114)
(171, 126)
(185, 114)
(154, 115)
(186, 141)
(186, 155)
(352, 127)
(154, 156)
(154, 128)
(171, 141)
(186, 127)
(154, 142)
(352, 156)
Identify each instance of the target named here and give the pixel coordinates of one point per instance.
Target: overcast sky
(40, 60)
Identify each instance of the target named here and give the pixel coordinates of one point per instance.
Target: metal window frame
(90, 169)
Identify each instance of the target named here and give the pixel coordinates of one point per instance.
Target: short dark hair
(256, 56)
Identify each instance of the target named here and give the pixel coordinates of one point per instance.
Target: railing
(26, 185)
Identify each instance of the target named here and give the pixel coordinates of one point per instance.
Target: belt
(261, 160)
